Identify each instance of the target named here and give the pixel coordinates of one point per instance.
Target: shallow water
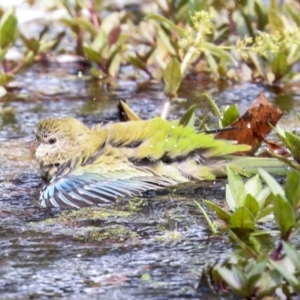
(151, 247)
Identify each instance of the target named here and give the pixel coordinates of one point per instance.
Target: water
(151, 247)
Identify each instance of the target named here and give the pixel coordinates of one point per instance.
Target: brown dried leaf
(252, 127)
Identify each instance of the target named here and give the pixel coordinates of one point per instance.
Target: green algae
(116, 233)
(88, 213)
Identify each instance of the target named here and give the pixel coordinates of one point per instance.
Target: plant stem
(183, 67)
(188, 56)
(94, 17)
(166, 108)
(277, 251)
(79, 33)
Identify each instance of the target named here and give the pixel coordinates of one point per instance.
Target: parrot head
(58, 140)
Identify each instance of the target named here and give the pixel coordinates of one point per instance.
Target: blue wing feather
(75, 191)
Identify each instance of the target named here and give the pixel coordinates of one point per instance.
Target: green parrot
(83, 166)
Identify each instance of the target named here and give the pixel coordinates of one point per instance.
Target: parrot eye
(52, 141)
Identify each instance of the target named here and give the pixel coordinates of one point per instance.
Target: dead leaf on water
(254, 125)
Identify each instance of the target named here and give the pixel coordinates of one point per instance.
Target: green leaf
(252, 282)
(166, 41)
(284, 216)
(8, 28)
(46, 45)
(248, 23)
(172, 77)
(275, 21)
(246, 248)
(242, 219)
(252, 205)
(258, 267)
(265, 212)
(293, 143)
(100, 41)
(230, 114)
(29, 59)
(230, 199)
(293, 13)
(215, 108)
(31, 44)
(207, 218)
(138, 63)
(262, 18)
(72, 24)
(259, 65)
(280, 133)
(87, 25)
(280, 65)
(253, 186)
(5, 78)
(292, 253)
(236, 186)
(213, 65)
(167, 22)
(292, 188)
(91, 54)
(238, 274)
(220, 212)
(188, 119)
(268, 282)
(216, 51)
(262, 196)
(293, 281)
(274, 186)
(114, 61)
(228, 276)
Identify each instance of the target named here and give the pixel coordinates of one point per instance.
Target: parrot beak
(33, 147)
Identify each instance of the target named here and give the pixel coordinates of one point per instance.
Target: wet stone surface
(151, 247)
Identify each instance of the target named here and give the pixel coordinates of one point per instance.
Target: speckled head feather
(59, 140)
(67, 126)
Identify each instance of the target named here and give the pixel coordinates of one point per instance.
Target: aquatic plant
(240, 41)
(255, 269)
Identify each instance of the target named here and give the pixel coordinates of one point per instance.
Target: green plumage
(85, 166)
(160, 138)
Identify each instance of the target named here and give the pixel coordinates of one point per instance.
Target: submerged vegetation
(257, 269)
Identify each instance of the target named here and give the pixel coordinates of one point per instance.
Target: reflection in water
(286, 102)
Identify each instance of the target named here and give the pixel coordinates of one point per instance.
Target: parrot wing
(99, 184)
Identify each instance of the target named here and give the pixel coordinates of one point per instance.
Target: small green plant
(291, 140)
(100, 41)
(258, 270)
(248, 203)
(257, 277)
(240, 40)
(33, 47)
(8, 35)
(227, 115)
(192, 42)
